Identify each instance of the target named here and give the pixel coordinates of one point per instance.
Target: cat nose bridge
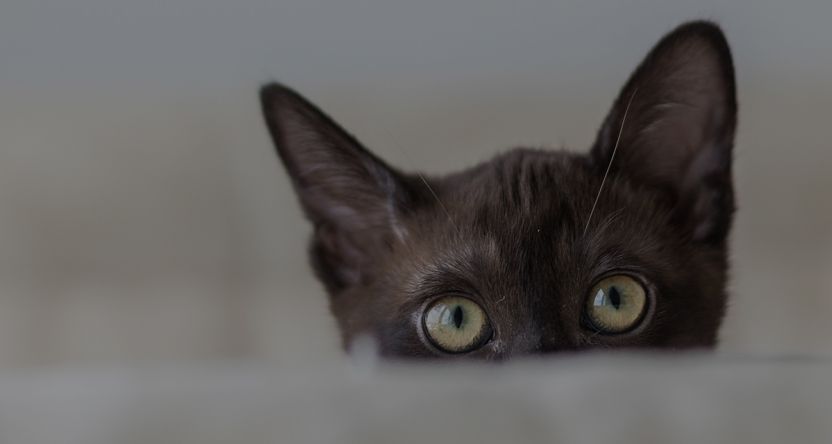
(535, 338)
(539, 346)
(528, 341)
(529, 329)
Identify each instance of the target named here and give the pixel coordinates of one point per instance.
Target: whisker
(430, 189)
(435, 196)
(612, 157)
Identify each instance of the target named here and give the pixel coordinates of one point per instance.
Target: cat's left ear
(678, 133)
(353, 198)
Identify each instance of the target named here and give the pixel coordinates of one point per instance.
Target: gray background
(144, 217)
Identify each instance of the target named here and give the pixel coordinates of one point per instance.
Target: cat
(535, 251)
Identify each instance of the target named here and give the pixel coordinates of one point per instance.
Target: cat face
(534, 251)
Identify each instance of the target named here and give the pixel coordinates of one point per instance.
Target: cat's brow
(451, 219)
(612, 157)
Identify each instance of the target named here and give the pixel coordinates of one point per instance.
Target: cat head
(534, 251)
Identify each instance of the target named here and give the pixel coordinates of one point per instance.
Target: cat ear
(351, 196)
(678, 133)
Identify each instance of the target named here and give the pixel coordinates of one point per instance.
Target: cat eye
(616, 304)
(456, 324)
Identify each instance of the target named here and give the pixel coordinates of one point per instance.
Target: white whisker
(451, 219)
(609, 165)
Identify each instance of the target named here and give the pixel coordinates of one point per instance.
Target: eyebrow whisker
(435, 196)
(612, 157)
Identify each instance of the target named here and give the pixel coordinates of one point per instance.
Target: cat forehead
(521, 160)
(539, 201)
(521, 183)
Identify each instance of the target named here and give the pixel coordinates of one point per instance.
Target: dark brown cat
(535, 251)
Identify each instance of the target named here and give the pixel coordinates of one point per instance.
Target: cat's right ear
(351, 196)
(672, 128)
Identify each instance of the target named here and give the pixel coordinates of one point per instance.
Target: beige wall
(143, 215)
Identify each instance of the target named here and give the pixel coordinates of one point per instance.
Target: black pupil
(458, 315)
(615, 297)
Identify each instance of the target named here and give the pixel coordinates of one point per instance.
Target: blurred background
(144, 216)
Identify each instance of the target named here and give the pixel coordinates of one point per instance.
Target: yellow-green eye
(456, 324)
(616, 304)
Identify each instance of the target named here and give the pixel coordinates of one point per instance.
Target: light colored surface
(645, 400)
(143, 215)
